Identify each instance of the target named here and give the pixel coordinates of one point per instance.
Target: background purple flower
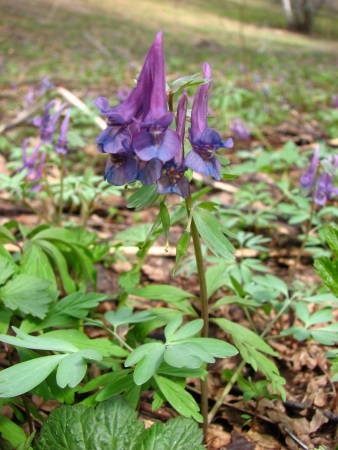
(61, 143)
(307, 181)
(239, 129)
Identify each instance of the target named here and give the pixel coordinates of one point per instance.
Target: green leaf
(35, 262)
(129, 279)
(77, 304)
(188, 330)
(125, 315)
(165, 219)
(181, 249)
(331, 236)
(23, 377)
(184, 372)
(11, 432)
(328, 271)
(27, 294)
(179, 398)
(320, 316)
(112, 425)
(212, 233)
(170, 294)
(244, 336)
(187, 355)
(177, 433)
(272, 282)
(106, 379)
(42, 342)
(145, 196)
(5, 317)
(6, 235)
(148, 358)
(327, 335)
(134, 235)
(7, 269)
(216, 277)
(171, 327)
(251, 347)
(190, 80)
(73, 367)
(124, 383)
(216, 347)
(80, 341)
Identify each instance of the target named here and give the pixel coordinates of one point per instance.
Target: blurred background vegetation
(96, 48)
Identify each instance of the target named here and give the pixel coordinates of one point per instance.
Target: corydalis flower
(61, 145)
(173, 180)
(321, 185)
(47, 123)
(33, 163)
(204, 140)
(239, 129)
(308, 179)
(325, 189)
(154, 140)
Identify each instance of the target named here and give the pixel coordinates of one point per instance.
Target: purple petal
(114, 140)
(156, 99)
(121, 169)
(166, 186)
(199, 110)
(180, 124)
(307, 181)
(209, 165)
(151, 171)
(163, 145)
(102, 104)
(319, 197)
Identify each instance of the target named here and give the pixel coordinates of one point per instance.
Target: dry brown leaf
(217, 438)
(239, 442)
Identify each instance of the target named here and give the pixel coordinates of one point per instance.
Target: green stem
(124, 344)
(204, 309)
(301, 250)
(226, 391)
(62, 173)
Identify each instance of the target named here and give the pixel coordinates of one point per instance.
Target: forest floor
(281, 83)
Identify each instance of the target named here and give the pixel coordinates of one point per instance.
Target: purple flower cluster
(140, 144)
(47, 125)
(321, 184)
(239, 129)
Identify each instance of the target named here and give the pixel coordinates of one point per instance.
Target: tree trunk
(288, 12)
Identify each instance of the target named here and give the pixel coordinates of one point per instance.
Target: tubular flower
(204, 140)
(154, 140)
(173, 180)
(61, 145)
(47, 123)
(309, 178)
(33, 163)
(239, 129)
(123, 115)
(325, 189)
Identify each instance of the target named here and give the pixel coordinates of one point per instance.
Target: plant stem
(226, 391)
(62, 173)
(301, 250)
(204, 309)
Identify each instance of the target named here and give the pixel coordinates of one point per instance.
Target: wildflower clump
(319, 178)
